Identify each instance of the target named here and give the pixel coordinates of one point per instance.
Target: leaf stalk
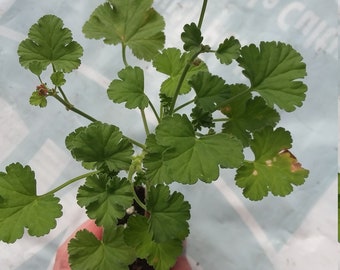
(181, 80)
(204, 7)
(69, 182)
(145, 123)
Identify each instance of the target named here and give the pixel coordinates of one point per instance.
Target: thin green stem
(124, 55)
(70, 107)
(181, 80)
(69, 182)
(154, 111)
(204, 6)
(59, 88)
(161, 111)
(184, 105)
(220, 119)
(63, 94)
(140, 145)
(145, 123)
(40, 79)
(135, 196)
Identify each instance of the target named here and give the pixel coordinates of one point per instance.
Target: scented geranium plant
(193, 140)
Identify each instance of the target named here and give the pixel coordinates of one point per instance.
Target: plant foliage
(224, 119)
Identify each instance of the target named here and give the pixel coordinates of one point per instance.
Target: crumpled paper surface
(227, 230)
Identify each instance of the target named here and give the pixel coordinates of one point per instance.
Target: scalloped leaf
(191, 37)
(160, 255)
(169, 214)
(133, 23)
(228, 50)
(274, 70)
(88, 252)
(21, 207)
(49, 43)
(172, 63)
(129, 88)
(254, 115)
(211, 90)
(105, 198)
(100, 146)
(274, 169)
(186, 158)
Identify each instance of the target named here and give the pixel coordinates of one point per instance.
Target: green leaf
(160, 255)
(21, 207)
(153, 161)
(191, 37)
(105, 198)
(129, 89)
(58, 78)
(169, 214)
(172, 63)
(240, 96)
(36, 68)
(100, 146)
(211, 90)
(274, 71)
(242, 120)
(37, 99)
(268, 142)
(188, 158)
(201, 118)
(130, 22)
(49, 43)
(228, 50)
(274, 169)
(87, 252)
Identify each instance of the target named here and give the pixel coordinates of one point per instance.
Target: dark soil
(139, 264)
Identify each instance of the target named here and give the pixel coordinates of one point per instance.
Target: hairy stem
(204, 6)
(154, 111)
(184, 105)
(63, 94)
(70, 107)
(145, 123)
(220, 119)
(181, 80)
(124, 55)
(69, 182)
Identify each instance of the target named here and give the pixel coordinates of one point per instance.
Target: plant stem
(63, 94)
(145, 123)
(184, 105)
(154, 111)
(220, 119)
(135, 196)
(40, 79)
(124, 55)
(204, 6)
(69, 182)
(181, 80)
(70, 107)
(140, 145)
(186, 69)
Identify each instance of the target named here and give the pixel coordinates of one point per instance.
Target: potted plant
(204, 124)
